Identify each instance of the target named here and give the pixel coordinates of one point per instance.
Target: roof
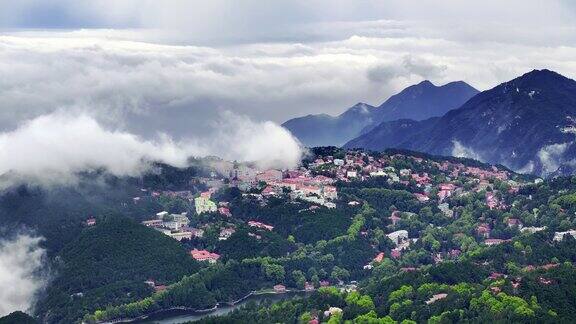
(204, 255)
(379, 257)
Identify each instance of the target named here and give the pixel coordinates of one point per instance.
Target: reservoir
(183, 316)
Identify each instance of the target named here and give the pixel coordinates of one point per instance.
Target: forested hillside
(108, 264)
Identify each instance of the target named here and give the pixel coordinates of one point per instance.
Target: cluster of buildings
(400, 240)
(174, 225)
(298, 184)
(493, 202)
(315, 182)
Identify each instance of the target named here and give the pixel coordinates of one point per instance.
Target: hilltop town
(432, 183)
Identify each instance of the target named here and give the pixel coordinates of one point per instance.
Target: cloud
(22, 272)
(551, 157)
(251, 21)
(407, 67)
(53, 149)
(147, 87)
(459, 150)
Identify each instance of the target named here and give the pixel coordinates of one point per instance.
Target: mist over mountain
(527, 124)
(417, 102)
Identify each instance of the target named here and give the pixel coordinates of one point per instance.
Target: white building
(181, 219)
(559, 236)
(532, 229)
(398, 237)
(161, 215)
(379, 173)
(338, 162)
(173, 225)
(393, 177)
(181, 235)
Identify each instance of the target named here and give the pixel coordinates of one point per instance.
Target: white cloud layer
(21, 272)
(175, 87)
(53, 149)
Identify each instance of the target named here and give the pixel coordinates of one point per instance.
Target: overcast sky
(270, 60)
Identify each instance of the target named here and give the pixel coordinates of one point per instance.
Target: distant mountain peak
(361, 107)
(540, 77)
(419, 101)
(426, 83)
(542, 72)
(457, 83)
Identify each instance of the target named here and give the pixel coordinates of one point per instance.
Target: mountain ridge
(419, 101)
(526, 124)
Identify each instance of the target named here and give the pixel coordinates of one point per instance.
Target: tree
(299, 278)
(339, 274)
(274, 272)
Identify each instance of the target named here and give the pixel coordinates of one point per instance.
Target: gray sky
(270, 60)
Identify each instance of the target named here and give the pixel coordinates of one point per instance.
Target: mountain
(527, 124)
(423, 101)
(326, 130)
(418, 102)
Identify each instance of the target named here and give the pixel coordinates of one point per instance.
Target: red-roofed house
(446, 190)
(224, 211)
(483, 230)
(269, 176)
(269, 191)
(260, 225)
(447, 186)
(206, 194)
(160, 288)
(422, 180)
(203, 255)
(379, 257)
(280, 289)
(514, 222)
